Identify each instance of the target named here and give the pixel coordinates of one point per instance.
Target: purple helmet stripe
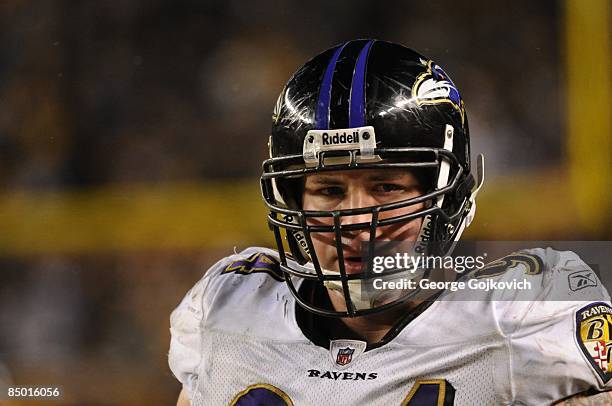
(357, 97)
(322, 113)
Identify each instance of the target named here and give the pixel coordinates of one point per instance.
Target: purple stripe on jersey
(260, 396)
(357, 97)
(322, 113)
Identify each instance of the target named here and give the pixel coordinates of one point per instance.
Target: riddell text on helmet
(340, 138)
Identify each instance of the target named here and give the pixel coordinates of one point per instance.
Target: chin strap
(298, 236)
(360, 298)
(363, 298)
(425, 233)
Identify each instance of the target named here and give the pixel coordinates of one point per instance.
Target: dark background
(131, 138)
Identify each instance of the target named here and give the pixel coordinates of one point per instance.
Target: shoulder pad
(564, 283)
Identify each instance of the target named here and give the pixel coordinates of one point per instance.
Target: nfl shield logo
(345, 355)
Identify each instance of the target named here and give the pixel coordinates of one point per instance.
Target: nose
(357, 198)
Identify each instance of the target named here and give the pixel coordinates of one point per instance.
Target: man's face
(356, 189)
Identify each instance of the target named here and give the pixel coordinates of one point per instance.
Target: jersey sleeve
(548, 358)
(212, 302)
(186, 324)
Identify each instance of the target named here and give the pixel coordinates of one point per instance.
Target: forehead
(364, 175)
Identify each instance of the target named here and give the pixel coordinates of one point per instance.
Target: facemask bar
(279, 214)
(372, 226)
(271, 201)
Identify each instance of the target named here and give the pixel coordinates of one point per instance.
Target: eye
(331, 191)
(388, 188)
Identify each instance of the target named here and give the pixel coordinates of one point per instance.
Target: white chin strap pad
(425, 233)
(364, 299)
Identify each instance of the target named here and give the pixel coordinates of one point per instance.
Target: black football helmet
(360, 105)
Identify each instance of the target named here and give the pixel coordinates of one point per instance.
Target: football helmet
(360, 105)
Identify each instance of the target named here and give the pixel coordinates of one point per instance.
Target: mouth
(354, 264)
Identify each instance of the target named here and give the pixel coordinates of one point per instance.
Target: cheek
(403, 231)
(412, 229)
(403, 211)
(325, 249)
(310, 204)
(323, 243)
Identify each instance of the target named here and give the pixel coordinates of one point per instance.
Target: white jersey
(236, 340)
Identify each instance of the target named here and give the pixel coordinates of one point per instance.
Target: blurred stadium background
(131, 136)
